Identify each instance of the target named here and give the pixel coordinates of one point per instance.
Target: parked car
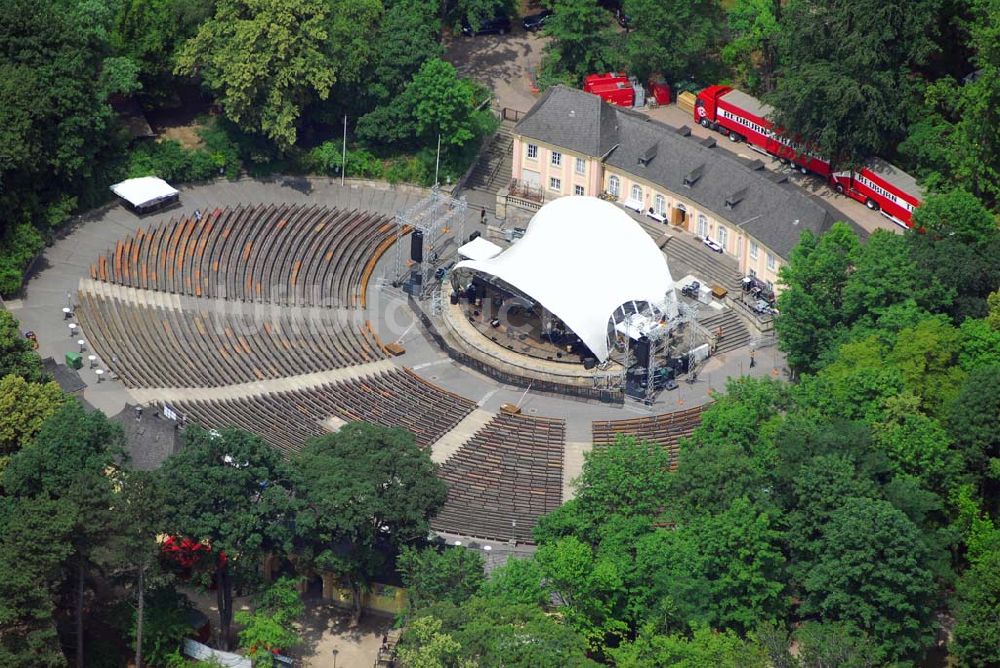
(498, 25)
(623, 20)
(691, 289)
(714, 246)
(533, 22)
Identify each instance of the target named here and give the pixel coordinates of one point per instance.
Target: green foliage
(839, 644)
(17, 249)
(444, 105)
(24, 407)
(672, 39)
(267, 61)
(752, 47)
(977, 631)
(811, 302)
(408, 36)
(486, 632)
(705, 647)
(582, 41)
(172, 162)
(327, 158)
(892, 600)
(518, 581)
(431, 576)
(28, 587)
(844, 64)
(233, 490)
(270, 627)
(974, 419)
(167, 622)
(366, 490)
(17, 355)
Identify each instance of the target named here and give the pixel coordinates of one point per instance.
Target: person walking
(482, 217)
(753, 362)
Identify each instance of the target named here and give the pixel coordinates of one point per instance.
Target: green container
(74, 360)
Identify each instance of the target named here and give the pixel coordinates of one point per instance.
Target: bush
(327, 158)
(409, 170)
(21, 245)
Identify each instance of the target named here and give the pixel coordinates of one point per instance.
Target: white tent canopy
(479, 249)
(581, 258)
(145, 191)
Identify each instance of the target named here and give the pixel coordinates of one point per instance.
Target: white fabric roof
(479, 249)
(143, 190)
(581, 258)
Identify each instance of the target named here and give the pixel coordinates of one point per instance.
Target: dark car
(498, 25)
(623, 20)
(533, 22)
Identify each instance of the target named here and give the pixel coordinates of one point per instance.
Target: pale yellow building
(573, 143)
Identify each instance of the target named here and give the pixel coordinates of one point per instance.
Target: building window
(770, 287)
(578, 190)
(556, 158)
(614, 185)
(770, 261)
(636, 193)
(754, 250)
(532, 152)
(702, 226)
(722, 234)
(753, 273)
(581, 166)
(555, 185)
(660, 205)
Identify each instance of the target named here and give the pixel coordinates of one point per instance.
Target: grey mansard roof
(740, 191)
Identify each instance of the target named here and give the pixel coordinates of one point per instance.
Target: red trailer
(881, 186)
(616, 88)
(743, 117)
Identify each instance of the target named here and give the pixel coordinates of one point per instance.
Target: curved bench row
(504, 478)
(666, 429)
(152, 346)
(398, 398)
(282, 254)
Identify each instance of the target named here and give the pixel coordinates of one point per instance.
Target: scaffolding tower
(441, 220)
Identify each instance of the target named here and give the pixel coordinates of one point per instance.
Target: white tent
(145, 192)
(582, 258)
(479, 249)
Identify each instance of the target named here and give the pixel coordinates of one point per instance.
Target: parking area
(505, 63)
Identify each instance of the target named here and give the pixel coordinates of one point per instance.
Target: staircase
(687, 255)
(734, 333)
(493, 168)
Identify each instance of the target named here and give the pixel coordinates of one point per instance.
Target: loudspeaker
(642, 351)
(589, 362)
(454, 298)
(474, 235)
(417, 246)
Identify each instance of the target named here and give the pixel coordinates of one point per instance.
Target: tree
(270, 627)
(234, 491)
(268, 60)
(408, 36)
(517, 581)
(754, 27)
(443, 104)
(870, 571)
(973, 419)
(367, 491)
(812, 303)
(53, 121)
(723, 571)
(430, 575)
(75, 458)
(17, 355)
(977, 606)
(705, 647)
(672, 39)
(31, 579)
(955, 250)
(581, 40)
(823, 644)
(486, 632)
(24, 407)
(844, 85)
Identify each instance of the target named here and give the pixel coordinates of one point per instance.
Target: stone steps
(735, 332)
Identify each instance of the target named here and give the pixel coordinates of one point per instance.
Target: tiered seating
(504, 478)
(148, 346)
(666, 430)
(397, 398)
(280, 254)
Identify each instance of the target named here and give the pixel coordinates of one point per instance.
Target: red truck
(616, 88)
(880, 186)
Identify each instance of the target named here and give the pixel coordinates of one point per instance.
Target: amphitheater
(268, 311)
